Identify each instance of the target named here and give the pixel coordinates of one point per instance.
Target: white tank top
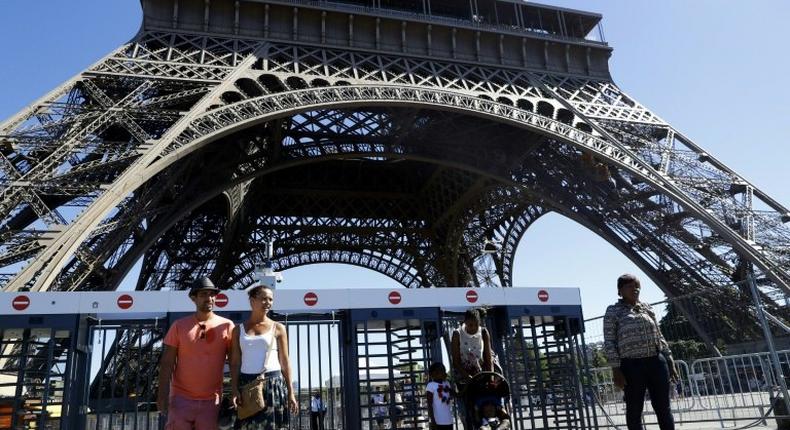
(471, 347)
(253, 351)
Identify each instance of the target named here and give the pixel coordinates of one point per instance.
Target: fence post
(769, 339)
(78, 377)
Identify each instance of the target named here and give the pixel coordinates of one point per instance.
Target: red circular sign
(471, 296)
(394, 297)
(543, 296)
(221, 300)
(20, 303)
(311, 298)
(125, 301)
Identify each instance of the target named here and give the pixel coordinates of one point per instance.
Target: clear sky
(715, 69)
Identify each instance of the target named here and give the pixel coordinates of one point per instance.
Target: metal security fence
(721, 390)
(121, 393)
(546, 373)
(35, 363)
(316, 355)
(365, 353)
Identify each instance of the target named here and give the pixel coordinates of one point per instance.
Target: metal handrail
(433, 18)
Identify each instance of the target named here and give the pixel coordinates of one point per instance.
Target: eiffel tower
(416, 138)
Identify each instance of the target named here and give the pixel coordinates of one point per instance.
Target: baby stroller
(488, 396)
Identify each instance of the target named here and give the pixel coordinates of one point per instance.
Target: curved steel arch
(366, 260)
(223, 121)
(565, 211)
(216, 123)
(511, 237)
(194, 200)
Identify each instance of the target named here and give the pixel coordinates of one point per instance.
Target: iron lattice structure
(384, 134)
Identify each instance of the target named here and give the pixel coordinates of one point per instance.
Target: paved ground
(707, 426)
(710, 409)
(712, 427)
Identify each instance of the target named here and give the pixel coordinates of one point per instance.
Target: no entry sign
(221, 300)
(311, 298)
(471, 296)
(20, 303)
(394, 297)
(125, 301)
(543, 296)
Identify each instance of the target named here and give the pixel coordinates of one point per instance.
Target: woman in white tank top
(260, 346)
(471, 347)
(471, 354)
(255, 348)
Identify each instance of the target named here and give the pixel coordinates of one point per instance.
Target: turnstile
(389, 352)
(38, 360)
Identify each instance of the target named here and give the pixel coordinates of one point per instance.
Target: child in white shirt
(440, 396)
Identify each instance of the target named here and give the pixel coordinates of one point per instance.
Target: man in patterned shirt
(639, 355)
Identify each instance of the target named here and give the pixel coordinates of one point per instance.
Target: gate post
(75, 401)
(350, 367)
(499, 329)
(431, 330)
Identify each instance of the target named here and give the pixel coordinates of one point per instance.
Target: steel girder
(119, 140)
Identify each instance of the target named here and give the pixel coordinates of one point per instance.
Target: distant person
(639, 355)
(397, 408)
(317, 412)
(471, 354)
(439, 395)
(192, 364)
(379, 410)
(260, 347)
(410, 400)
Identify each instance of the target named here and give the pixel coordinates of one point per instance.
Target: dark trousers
(466, 409)
(651, 374)
(316, 420)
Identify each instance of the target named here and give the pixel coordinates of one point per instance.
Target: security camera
(264, 273)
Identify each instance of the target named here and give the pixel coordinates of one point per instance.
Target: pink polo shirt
(200, 360)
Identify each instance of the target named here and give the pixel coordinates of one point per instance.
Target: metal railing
(395, 13)
(725, 390)
(592, 37)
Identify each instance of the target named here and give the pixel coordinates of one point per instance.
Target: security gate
(90, 360)
(392, 350)
(121, 393)
(545, 365)
(316, 362)
(36, 359)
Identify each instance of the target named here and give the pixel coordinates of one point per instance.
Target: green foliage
(416, 369)
(596, 356)
(688, 350)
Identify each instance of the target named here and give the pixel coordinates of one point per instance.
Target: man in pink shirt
(191, 369)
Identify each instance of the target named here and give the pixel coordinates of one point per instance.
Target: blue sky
(715, 69)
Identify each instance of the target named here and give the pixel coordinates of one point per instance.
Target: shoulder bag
(252, 395)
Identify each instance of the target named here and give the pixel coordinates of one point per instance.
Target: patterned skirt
(275, 416)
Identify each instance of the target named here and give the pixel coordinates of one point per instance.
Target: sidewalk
(771, 424)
